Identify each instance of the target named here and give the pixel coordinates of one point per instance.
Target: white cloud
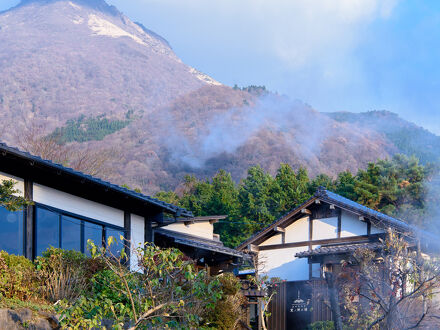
(299, 32)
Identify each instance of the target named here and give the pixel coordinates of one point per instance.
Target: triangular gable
(322, 195)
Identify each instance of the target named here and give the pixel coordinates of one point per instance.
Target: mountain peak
(100, 5)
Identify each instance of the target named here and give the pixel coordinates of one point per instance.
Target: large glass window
(11, 231)
(47, 230)
(94, 233)
(53, 228)
(71, 233)
(118, 245)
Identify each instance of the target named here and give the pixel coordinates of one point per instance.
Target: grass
(33, 306)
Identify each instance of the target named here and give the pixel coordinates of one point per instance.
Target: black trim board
(79, 217)
(29, 220)
(24, 165)
(322, 242)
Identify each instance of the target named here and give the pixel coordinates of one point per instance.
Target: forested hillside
(408, 138)
(400, 187)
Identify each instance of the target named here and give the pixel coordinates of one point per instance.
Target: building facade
(299, 248)
(70, 207)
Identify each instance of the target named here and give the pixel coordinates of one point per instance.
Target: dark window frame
(84, 220)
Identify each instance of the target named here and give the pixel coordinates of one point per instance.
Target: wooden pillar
(29, 220)
(339, 223)
(148, 231)
(127, 234)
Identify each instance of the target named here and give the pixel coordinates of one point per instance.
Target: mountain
(407, 137)
(82, 71)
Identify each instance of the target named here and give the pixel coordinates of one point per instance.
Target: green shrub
(228, 310)
(62, 274)
(17, 277)
(321, 325)
(107, 285)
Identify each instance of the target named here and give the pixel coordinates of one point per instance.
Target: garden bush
(321, 325)
(166, 292)
(18, 278)
(62, 274)
(228, 310)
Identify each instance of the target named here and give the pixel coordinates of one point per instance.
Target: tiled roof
(198, 242)
(339, 249)
(58, 167)
(377, 218)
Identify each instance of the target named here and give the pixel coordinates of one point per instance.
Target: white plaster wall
(282, 263)
(137, 238)
(77, 205)
(276, 239)
(351, 225)
(325, 228)
(298, 231)
(376, 230)
(18, 186)
(200, 229)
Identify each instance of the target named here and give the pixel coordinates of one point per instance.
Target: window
(71, 233)
(316, 270)
(11, 231)
(47, 230)
(54, 228)
(118, 245)
(94, 233)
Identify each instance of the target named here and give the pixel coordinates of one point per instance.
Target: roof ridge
(170, 207)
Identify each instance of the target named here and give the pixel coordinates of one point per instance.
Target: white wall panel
(18, 186)
(282, 263)
(298, 231)
(351, 225)
(200, 229)
(137, 237)
(325, 228)
(77, 205)
(276, 239)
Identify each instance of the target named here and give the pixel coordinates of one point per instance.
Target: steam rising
(299, 127)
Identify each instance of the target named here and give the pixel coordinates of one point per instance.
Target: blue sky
(345, 55)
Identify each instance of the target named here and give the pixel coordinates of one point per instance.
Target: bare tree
(94, 161)
(390, 288)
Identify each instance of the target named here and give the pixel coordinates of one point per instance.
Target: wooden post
(127, 235)
(29, 220)
(148, 231)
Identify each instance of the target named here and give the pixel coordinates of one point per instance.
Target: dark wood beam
(352, 239)
(279, 229)
(306, 211)
(148, 231)
(127, 234)
(339, 223)
(29, 220)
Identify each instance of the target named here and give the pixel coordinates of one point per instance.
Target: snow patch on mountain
(103, 27)
(204, 77)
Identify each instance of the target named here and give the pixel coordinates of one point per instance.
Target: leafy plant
(17, 277)
(167, 291)
(321, 325)
(228, 310)
(62, 273)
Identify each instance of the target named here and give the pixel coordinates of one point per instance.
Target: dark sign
(300, 305)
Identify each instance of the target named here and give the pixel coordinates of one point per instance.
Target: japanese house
(70, 207)
(195, 237)
(307, 242)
